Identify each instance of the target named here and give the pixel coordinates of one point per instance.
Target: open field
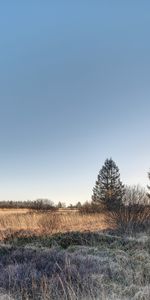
(32, 222)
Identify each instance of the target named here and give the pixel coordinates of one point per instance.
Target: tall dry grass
(126, 219)
(39, 223)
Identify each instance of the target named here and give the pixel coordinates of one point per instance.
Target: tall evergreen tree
(108, 189)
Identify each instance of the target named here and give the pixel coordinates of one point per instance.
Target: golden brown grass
(32, 222)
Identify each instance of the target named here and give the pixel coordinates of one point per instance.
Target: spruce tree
(108, 189)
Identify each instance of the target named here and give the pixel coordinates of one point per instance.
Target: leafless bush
(135, 195)
(91, 208)
(49, 223)
(129, 219)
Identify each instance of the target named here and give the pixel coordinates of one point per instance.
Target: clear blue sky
(74, 90)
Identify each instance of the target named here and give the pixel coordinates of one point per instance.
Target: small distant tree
(78, 205)
(70, 206)
(61, 205)
(108, 190)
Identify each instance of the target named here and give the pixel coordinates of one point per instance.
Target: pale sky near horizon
(74, 90)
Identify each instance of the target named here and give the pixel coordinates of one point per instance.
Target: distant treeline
(39, 204)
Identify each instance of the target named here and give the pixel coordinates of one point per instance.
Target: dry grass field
(31, 222)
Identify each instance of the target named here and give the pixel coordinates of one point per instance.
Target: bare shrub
(129, 219)
(91, 208)
(49, 223)
(135, 195)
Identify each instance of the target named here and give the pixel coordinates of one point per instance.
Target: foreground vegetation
(76, 266)
(98, 259)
